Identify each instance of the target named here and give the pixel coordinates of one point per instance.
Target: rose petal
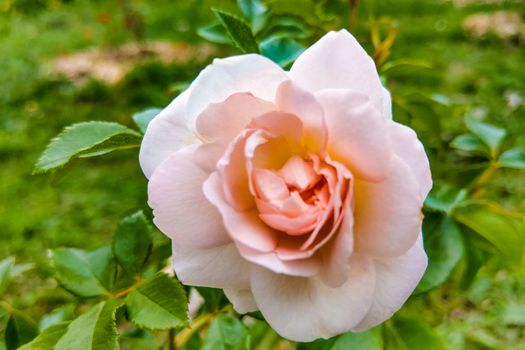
(250, 73)
(357, 133)
(207, 155)
(388, 214)
(166, 134)
(295, 226)
(298, 173)
(337, 61)
(407, 146)
(396, 278)
(175, 194)
(303, 309)
(387, 104)
(242, 300)
(269, 186)
(292, 99)
(280, 124)
(305, 267)
(221, 122)
(218, 267)
(265, 152)
(273, 125)
(339, 191)
(231, 168)
(337, 252)
(244, 227)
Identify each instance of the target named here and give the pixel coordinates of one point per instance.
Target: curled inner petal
(288, 197)
(303, 200)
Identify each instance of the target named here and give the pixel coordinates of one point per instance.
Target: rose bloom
(293, 191)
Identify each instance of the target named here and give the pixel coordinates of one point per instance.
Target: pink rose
(293, 191)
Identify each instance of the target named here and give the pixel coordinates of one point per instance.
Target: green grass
(78, 206)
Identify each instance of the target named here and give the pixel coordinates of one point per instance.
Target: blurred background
(68, 61)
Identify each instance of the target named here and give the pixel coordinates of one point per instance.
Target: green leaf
(6, 266)
(86, 140)
(48, 338)
(491, 135)
(216, 33)
(513, 314)
(312, 11)
(319, 344)
(513, 158)
(94, 330)
(256, 12)
(158, 303)
(407, 333)
(4, 315)
(369, 340)
(469, 143)
(143, 118)
(20, 330)
(57, 316)
(281, 50)
(86, 274)
(394, 64)
(286, 26)
(474, 257)
(214, 298)
(132, 243)
(262, 336)
(441, 99)
(504, 229)
(445, 198)
(140, 339)
(239, 32)
(485, 338)
(19, 269)
(444, 248)
(227, 333)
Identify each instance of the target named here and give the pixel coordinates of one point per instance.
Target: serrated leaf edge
(42, 170)
(185, 322)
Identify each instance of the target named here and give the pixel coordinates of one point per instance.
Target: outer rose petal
(179, 206)
(224, 77)
(306, 267)
(218, 267)
(387, 104)
(388, 214)
(220, 122)
(166, 133)
(242, 300)
(303, 309)
(411, 151)
(357, 132)
(337, 61)
(224, 120)
(245, 226)
(396, 278)
(336, 254)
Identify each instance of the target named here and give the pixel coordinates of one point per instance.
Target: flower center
(295, 198)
